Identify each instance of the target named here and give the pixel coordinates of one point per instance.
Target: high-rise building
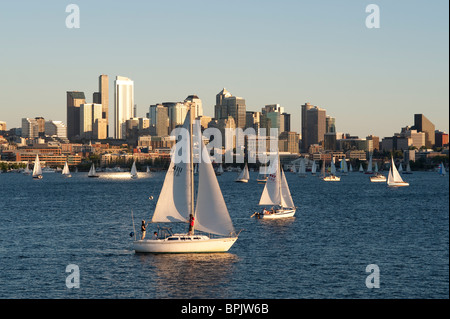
(159, 120)
(89, 114)
(74, 100)
(102, 97)
(422, 124)
(197, 102)
(330, 124)
(315, 126)
(229, 105)
(56, 128)
(123, 105)
(30, 128)
(41, 126)
(440, 138)
(305, 144)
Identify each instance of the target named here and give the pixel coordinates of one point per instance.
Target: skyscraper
(228, 105)
(313, 125)
(102, 97)
(422, 124)
(123, 105)
(305, 144)
(30, 128)
(74, 100)
(89, 114)
(198, 104)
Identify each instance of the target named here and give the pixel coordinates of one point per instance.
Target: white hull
(378, 180)
(281, 213)
(241, 181)
(398, 184)
(184, 244)
(332, 179)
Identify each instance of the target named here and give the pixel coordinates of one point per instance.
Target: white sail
(133, 170)
(37, 170)
(351, 168)
(369, 166)
(175, 200)
(244, 175)
(442, 169)
(394, 176)
(286, 198)
(220, 169)
(302, 169)
(271, 193)
(66, 170)
(314, 167)
(333, 167)
(400, 168)
(211, 213)
(376, 167)
(148, 169)
(361, 169)
(27, 170)
(92, 170)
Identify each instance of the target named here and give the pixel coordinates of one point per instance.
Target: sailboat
(66, 172)
(175, 204)
(361, 169)
(302, 169)
(314, 168)
(219, 170)
(369, 166)
(408, 169)
(276, 193)
(394, 178)
(442, 169)
(133, 170)
(332, 177)
(27, 170)
(344, 168)
(37, 170)
(244, 176)
(148, 170)
(350, 167)
(400, 168)
(92, 172)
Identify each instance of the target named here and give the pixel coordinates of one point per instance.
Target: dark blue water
(339, 229)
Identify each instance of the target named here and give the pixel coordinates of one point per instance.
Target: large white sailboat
(394, 178)
(244, 176)
(176, 204)
(134, 170)
(66, 172)
(276, 193)
(92, 172)
(37, 170)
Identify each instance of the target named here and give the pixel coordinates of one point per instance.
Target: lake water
(338, 230)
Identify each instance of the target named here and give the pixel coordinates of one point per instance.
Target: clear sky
(288, 52)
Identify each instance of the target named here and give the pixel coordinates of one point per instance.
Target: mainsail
(276, 191)
(394, 176)
(37, 167)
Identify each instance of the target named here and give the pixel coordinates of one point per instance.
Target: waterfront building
(56, 128)
(30, 128)
(440, 138)
(422, 124)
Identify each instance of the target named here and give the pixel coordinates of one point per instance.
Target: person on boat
(191, 224)
(143, 229)
(155, 235)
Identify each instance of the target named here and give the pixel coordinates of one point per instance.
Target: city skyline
(289, 53)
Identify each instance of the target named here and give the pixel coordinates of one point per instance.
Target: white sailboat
(400, 168)
(394, 178)
(176, 204)
(344, 167)
(133, 170)
(442, 169)
(408, 169)
(27, 170)
(66, 172)
(302, 169)
(148, 170)
(37, 170)
(350, 167)
(92, 172)
(244, 176)
(361, 169)
(369, 166)
(314, 168)
(332, 177)
(219, 170)
(276, 193)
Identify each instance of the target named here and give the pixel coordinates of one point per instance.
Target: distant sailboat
(332, 177)
(400, 168)
(276, 193)
(302, 169)
(66, 172)
(208, 214)
(361, 169)
(92, 172)
(394, 178)
(369, 166)
(244, 176)
(344, 168)
(350, 167)
(27, 170)
(314, 168)
(442, 169)
(133, 170)
(37, 170)
(219, 170)
(408, 169)
(148, 170)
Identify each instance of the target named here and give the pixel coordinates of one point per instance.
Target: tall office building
(30, 128)
(422, 124)
(74, 100)
(56, 128)
(313, 125)
(89, 114)
(330, 124)
(197, 102)
(123, 105)
(102, 97)
(159, 120)
(229, 105)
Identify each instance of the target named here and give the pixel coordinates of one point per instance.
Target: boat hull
(281, 213)
(37, 177)
(241, 181)
(332, 179)
(188, 245)
(378, 180)
(398, 184)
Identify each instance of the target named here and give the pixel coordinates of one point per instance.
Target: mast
(191, 170)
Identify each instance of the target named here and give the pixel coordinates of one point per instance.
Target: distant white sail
(394, 177)
(66, 170)
(369, 166)
(133, 170)
(314, 167)
(37, 170)
(333, 167)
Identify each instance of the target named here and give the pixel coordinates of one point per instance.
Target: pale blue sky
(288, 52)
